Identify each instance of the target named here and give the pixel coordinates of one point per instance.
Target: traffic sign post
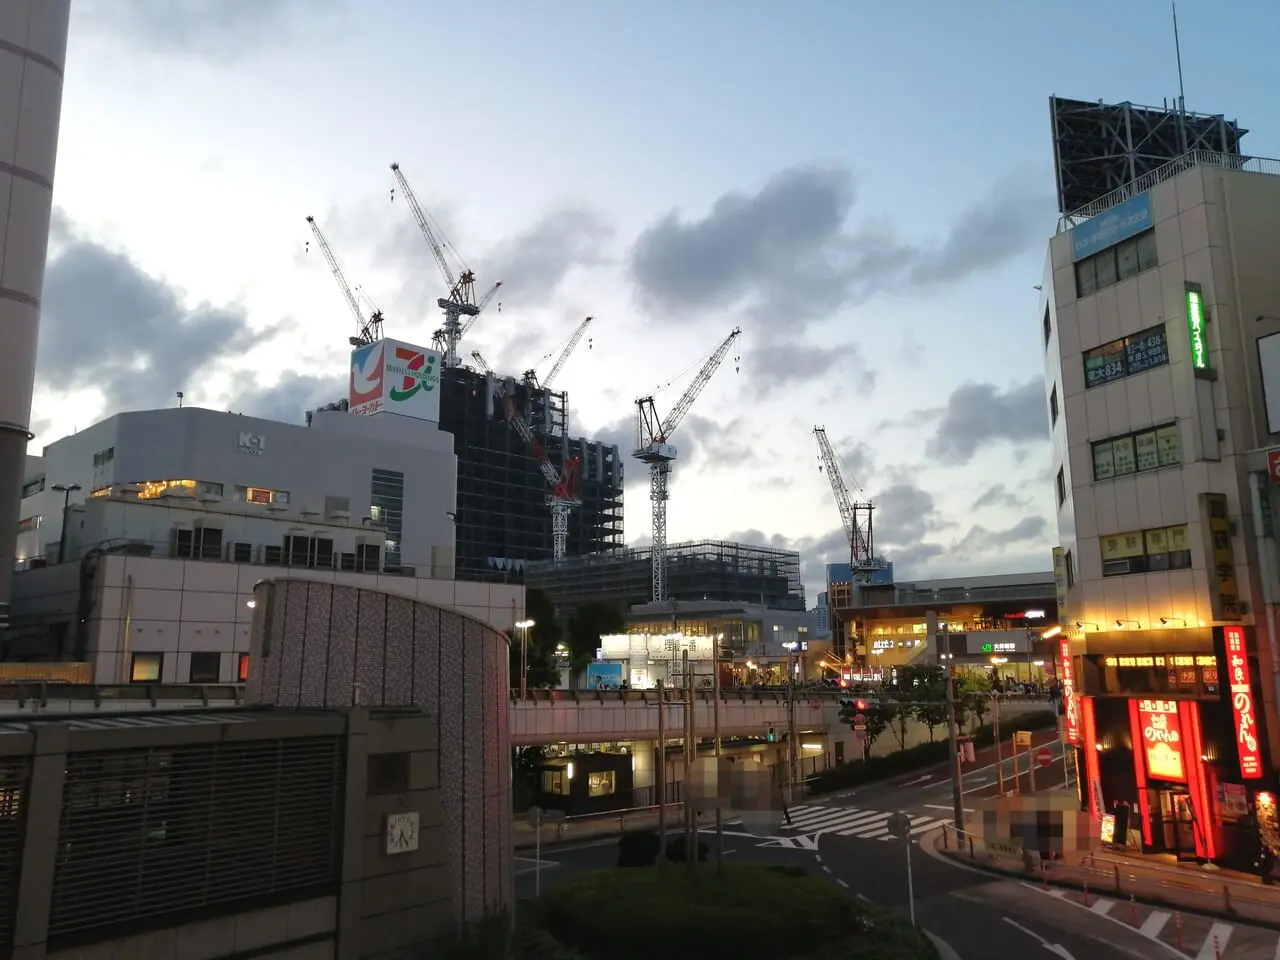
(900, 826)
(1044, 756)
(535, 820)
(1273, 465)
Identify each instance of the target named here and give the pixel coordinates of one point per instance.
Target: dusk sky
(867, 189)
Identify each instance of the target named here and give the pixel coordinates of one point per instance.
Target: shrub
(858, 772)
(638, 848)
(753, 913)
(676, 850)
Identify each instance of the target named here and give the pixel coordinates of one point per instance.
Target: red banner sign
(1070, 705)
(1162, 739)
(1242, 710)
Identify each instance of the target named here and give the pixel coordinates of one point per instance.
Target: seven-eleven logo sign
(417, 371)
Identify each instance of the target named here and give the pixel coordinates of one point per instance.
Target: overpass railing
(705, 694)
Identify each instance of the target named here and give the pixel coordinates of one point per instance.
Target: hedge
(857, 772)
(755, 912)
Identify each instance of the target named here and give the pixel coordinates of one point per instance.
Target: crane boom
(567, 351)
(484, 302)
(855, 516)
(367, 330)
(424, 224)
(653, 449)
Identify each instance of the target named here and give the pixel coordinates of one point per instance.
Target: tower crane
(367, 330)
(564, 484)
(531, 375)
(854, 515)
(440, 340)
(653, 447)
(461, 300)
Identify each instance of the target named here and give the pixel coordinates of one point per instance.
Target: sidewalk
(525, 837)
(1132, 878)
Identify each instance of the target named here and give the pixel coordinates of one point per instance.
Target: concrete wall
(325, 645)
(177, 607)
(33, 49)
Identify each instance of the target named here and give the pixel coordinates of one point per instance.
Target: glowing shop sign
(1195, 326)
(1162, 739)
(1069, 703)
(1242, 703)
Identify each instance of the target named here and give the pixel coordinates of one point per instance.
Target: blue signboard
(1107, 229)
(607, 676)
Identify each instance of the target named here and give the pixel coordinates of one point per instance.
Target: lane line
(1101, 906)
(1208, 950)
(1154, 923)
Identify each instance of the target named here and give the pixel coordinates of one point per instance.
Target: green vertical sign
(1195, 327)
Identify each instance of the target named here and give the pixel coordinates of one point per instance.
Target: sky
(866, 189)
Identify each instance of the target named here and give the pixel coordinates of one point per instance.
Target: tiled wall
(330, 645)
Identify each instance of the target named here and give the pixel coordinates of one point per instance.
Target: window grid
(1145, 551)
(386, 503)
(1126, 357)
(1139, 452)
(1108, 267)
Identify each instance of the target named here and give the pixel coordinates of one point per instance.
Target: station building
(1160, 324)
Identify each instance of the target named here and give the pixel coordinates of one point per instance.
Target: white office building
(142, 536)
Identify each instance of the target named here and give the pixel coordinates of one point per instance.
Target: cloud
(779, 364)
(533, 263)
(999, 495)
(286, 400)
(905, 515)
(978, 414)
(980, 541)
(815, 553)
(700, 442)
(787, 251)
(106, 323)
(220, 29)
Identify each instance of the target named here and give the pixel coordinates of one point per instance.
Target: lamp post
(523, 626)
(66, 492)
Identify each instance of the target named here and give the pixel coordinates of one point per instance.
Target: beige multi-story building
(1160, 320)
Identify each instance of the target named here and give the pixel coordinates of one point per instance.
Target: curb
(1064, 884)
(945, 950)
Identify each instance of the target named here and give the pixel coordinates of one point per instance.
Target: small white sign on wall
(402, 833)
(252, 444)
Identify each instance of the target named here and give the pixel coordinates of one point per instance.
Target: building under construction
(697, 570)
(502, 519)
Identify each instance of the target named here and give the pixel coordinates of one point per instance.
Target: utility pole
(690, 756)
(660, 780)
(953, 734)
(995, 719)
(792, 753)
(715, 725)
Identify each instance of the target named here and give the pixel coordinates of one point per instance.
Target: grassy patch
(756, 912)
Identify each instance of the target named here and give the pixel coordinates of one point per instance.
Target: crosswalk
(1199, 937)
(810, 822)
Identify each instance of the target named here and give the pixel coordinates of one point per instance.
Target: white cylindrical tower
(33, 49)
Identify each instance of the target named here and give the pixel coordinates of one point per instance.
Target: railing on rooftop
(1192, 158)
(900, 597)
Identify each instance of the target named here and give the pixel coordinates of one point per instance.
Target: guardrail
(1101, 874)
(585, 825)
(38, 694)
(745, 694)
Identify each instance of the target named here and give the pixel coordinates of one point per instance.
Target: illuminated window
(27, 524)
(1126, 357)
(261, 495)
(1145, 551)
(1138, 452)
(146, 667)
(242, 671)
(155, 488)
(601, 784)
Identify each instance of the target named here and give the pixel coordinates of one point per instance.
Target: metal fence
(149, 832)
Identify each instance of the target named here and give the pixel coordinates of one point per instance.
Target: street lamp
(523, 626)
(66, 492)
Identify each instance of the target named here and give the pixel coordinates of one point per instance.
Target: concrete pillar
(40, 843)
(33, 49)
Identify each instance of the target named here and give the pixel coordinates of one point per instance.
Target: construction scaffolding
(501, 516)
(696, 570)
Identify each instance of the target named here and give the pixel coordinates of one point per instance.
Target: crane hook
(308, 247)
(393, 194)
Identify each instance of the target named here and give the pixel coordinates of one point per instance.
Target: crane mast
(854, 515)
(367, 330)
(654, 449)
(461, 301)
(563, 484)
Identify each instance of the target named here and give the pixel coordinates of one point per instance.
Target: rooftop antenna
(1182, 99)
(179, 398)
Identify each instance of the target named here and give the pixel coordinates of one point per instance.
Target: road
(980, 916)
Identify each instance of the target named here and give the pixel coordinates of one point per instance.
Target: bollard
(972, 856)
(1044, 874)
(1177, 926)
(1116, 870)
(1133, 910)
(946, 837)
(1217, 948)
(1226, 898)
(1088, 901)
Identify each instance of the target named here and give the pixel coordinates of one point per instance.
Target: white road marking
(938, 806)
(1102, 906)
(1054, 948)
(1154, 923)
(1209, 950)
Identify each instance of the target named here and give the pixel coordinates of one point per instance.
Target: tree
(974, 694)
(541, 640)
(924, 686)
(878, 714)
(589, 623)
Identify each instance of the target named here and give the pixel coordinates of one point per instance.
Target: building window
(32, 488)
(1138, 452)
(1062, 486)
(601, 784)
(1126, 357)
(1069, 562)
(1053, 406)
(555, 782)
(261, 495)
(153, 489)
(1146, 551)
(1048, 328)
(1107, 267)
(367, 555)
(27, 524)
(205, 667)
(386, 506)
(242, 668)
(202, 543)
(146, 667)
(241, 552)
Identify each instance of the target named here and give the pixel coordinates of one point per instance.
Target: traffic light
(860, 704)
(773, 737)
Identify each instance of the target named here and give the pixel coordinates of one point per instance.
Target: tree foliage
(542, 639)
(924, 687)
(973, 691)
(878, 712)
(591, 621)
